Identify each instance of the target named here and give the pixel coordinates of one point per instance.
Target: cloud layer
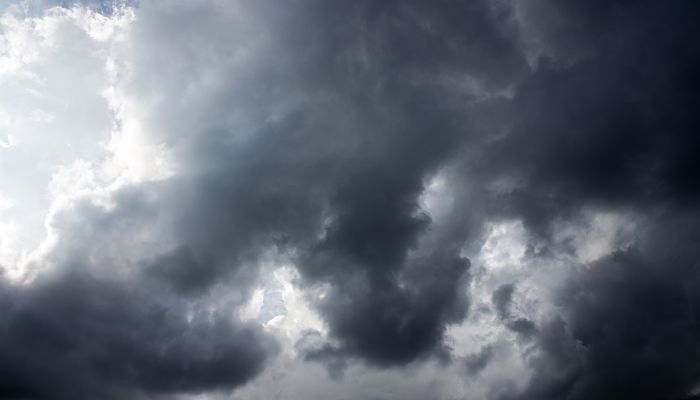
(447, 199)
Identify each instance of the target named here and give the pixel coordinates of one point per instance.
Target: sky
(367, 200)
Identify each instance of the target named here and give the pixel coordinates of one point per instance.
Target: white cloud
(67, 131)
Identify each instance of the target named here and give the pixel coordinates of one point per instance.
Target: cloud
(508, 185)
(74, 336)
(591, 132)
(602, 123)
(628, 327)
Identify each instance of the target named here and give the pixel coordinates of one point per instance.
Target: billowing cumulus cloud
(73, 336)
(326, 199)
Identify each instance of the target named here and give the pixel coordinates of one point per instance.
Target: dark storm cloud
(75, 337)
(395, 322)
(385, 304)
(607, 121)
(348, 110)
(88, 329)
(630, 326)
(603, 119)
(614, 127)
(336, 179)
(319, 150)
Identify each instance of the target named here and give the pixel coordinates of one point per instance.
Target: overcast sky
(351, 200)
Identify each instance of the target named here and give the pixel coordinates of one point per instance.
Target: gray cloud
(629, 325)
(604, 121)
(74, 336)
(310, 131)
